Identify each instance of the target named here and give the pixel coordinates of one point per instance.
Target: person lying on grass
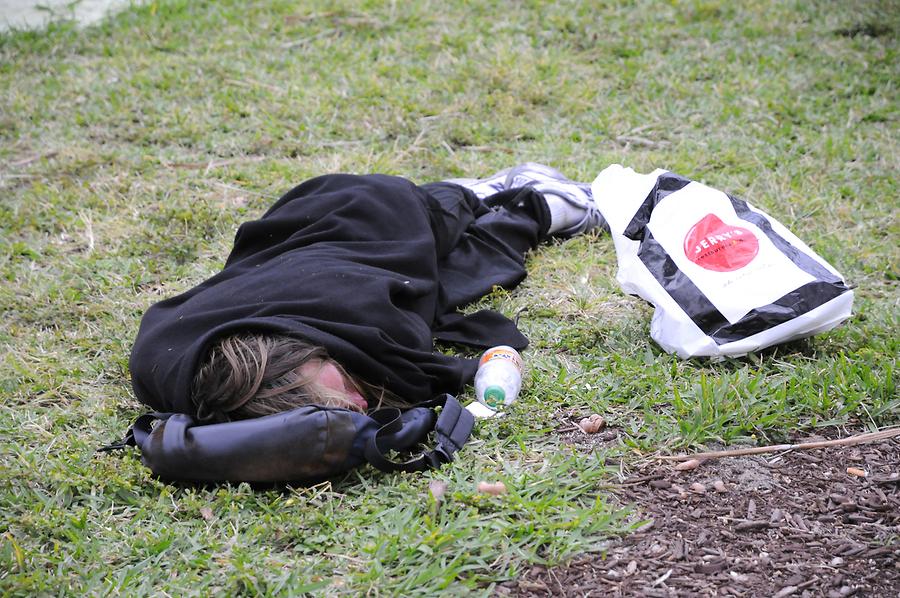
(336, 295)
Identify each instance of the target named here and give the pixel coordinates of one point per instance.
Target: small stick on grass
(243, 190)
(35, 158)
(252, 83)
(758, 450)
(215, 163)
(635, 140)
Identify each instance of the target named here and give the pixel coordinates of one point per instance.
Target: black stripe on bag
(786, 308)
(692, 300)
(666, 184)
(709, 319)
(800, 259)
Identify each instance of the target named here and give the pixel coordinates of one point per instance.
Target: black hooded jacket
(373, 268)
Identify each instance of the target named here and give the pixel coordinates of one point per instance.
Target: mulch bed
(792, 524)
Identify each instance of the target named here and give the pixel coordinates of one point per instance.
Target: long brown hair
(251, 374)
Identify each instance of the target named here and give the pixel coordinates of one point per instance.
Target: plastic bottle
(499, 377)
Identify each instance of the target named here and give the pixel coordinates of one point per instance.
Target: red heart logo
(720, 247)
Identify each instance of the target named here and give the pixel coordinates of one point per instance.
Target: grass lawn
(131, 150)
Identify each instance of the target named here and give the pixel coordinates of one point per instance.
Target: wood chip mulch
(795, 524)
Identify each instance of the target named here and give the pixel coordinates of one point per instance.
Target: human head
(252, 374)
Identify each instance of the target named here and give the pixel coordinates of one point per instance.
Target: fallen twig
(758, 450)
(216, 163)
(88, 232)
(662, 578)
(243, 190)
(485, 148)
(641, 479)
(305, 40)
(751, 525)
(635, 140)
(252, 83)
(30, 159)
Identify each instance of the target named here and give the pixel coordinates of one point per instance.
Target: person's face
(326, 374)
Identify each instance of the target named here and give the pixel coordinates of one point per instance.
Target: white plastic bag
(725, 278)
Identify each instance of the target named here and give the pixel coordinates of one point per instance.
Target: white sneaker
(575, 194)
(525, 175)
(484, 187)
(548, 180)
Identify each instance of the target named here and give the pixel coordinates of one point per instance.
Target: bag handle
(452, 428)
(398, 430)
(136, 434)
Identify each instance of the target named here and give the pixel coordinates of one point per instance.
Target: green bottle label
(494, 396)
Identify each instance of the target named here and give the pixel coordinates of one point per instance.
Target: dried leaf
(437, 488)
(687, 465)
(631, 568)
(785, 591)
(495, 489)
(206, 513)
(592, 424)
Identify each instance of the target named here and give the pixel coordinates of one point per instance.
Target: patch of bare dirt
(792, 524)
